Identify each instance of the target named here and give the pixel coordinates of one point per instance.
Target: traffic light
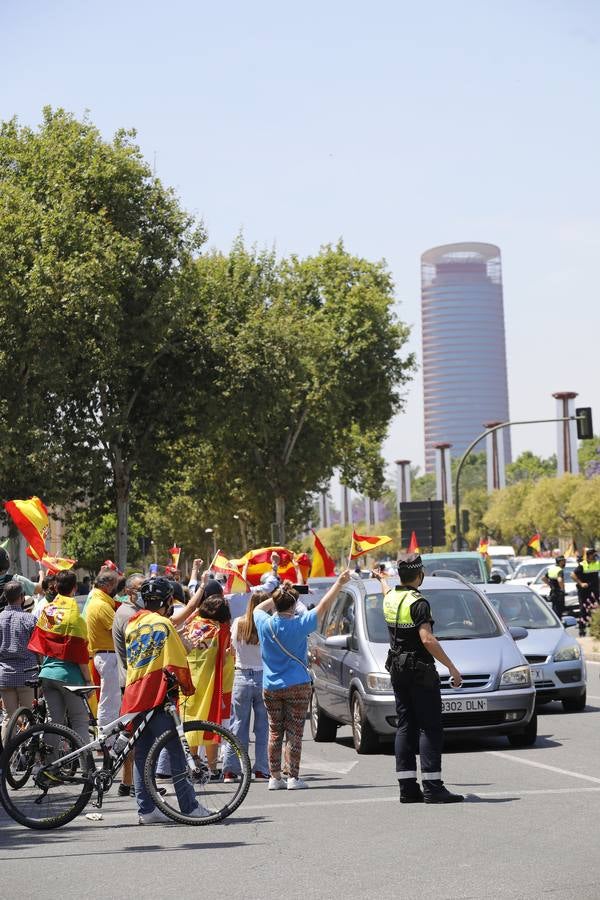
(585, 429)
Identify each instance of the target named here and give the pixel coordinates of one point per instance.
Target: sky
(395, 125)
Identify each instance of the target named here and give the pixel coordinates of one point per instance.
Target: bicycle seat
(80, 688)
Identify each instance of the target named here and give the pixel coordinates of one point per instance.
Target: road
(529, 829)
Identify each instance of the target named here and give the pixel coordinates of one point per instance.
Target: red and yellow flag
(413, 546)
(152, 645)
(235, 583)
(61, 632)
(53, 564)
(175, 552)
(259, 562)
(483, 546)
(366, 543)
(303, 563)
(31, 518)
(535, 543)
(323, 566)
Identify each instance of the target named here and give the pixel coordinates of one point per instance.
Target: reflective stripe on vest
(590, 567)
(396, 610)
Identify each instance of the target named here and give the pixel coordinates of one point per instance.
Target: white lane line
(538, 765)
(591, 697)
(322, 766)
(592, 662)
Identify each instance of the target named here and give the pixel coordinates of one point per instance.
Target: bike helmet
(156, 589)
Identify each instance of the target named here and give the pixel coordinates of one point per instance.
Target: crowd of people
(251, 668)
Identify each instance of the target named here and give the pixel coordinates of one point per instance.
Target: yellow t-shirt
(99, 615)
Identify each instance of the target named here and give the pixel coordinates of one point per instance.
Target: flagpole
(213, 559)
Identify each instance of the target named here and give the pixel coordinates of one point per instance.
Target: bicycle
(57, 774)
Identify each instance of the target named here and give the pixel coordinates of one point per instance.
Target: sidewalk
(590, 647)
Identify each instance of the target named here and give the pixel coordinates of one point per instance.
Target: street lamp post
(474, 444)
(214, 539)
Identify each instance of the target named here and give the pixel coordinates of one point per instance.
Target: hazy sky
(395, 125)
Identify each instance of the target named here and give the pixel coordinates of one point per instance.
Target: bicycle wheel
(51, 795)
(22, 719)
(214, 798)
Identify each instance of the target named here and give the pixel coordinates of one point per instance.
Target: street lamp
(214, 539)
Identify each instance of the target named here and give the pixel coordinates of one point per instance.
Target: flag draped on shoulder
(323, 566)
(152, 645)
(61, 632)
(31, 518)
(413, 546)
(366, 543)
(535, 543)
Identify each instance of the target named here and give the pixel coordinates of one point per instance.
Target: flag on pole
(366, 543)
(259, 562)
(535, 543)
(323, 566)
(31, 518)
(53, 564)
(222, 564)
(303, 563)
(413, 546)
(175, 552)
(483, 546)
(235, 583)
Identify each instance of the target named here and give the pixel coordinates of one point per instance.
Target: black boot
(410, 791)
(436, 792)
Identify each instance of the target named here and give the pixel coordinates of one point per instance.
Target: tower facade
(464, 346)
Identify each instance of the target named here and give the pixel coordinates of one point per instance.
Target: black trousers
(557, 599)
(419, 713)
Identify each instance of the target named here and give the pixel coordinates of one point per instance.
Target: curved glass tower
(464, 348)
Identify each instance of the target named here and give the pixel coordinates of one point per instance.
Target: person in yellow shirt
(100, 613)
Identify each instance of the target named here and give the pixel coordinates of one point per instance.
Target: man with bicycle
(153, 645)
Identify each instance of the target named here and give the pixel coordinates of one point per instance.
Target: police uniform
(589, 572)
(416, 687)
(557, 594)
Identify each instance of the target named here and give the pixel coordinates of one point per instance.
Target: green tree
(589, 457)
(508, 518)
(101, 301)
(583, 510)
(529, 467)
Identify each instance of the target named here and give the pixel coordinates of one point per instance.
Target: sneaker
(156, 817)
(277, 784)
(261, 776)
(229, 777)
(296, 784)
(201, 812)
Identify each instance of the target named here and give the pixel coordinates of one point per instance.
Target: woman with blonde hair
(247, 695)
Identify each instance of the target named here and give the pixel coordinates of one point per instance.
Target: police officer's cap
(590, 550)
(409, 564)
(560, 558)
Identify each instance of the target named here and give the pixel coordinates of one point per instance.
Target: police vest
(554, 572)
(396, 607)
(590, 567)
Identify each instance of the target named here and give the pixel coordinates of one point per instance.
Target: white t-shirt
(247, 656)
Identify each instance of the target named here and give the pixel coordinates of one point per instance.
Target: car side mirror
(569, 621)
(339, 641)
(517, 633)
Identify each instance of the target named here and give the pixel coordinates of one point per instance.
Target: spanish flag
(61, 632)
(31, 518)
(259, 562)
(235, 583)
(323, 566)
(53, 564)
(483, 546)
(413, 547)
(535, 543)
(303, 563)
(221, 564)
(175, 552)
(365, 543)
(152, 645)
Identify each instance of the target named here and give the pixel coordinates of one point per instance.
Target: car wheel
(323, 728)
(525, 738)
(364, 738)
(575, 705)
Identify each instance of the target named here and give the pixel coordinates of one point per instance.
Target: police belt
(407, 661)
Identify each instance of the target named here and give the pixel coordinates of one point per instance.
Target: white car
(571, 598)
(527, 571)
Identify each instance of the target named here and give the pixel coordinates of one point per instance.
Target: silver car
(557, 663)
(348, 655)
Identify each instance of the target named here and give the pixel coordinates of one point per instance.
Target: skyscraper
(464, 347)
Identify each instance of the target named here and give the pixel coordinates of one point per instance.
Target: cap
(559, 558)
(590, 550)
(156, 589)
(409, 562)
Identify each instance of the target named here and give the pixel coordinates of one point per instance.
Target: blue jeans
(186, 797)
(246, 697)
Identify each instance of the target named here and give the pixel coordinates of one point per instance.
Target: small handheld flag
(323, 566)
(535, 543)
(483, 546)
(31, 518)
(366, 543)
(413, 546)
(175, 552)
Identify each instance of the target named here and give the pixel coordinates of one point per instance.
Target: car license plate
(464, 704)
(537, 674)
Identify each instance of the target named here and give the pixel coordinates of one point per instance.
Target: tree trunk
(122, 483)
(280, 518)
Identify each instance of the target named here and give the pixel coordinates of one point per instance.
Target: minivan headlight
(567, 653)
(379, 681)
(520, 676)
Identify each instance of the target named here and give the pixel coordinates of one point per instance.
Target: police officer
(587, 577)
(416, 686)
(555, 580)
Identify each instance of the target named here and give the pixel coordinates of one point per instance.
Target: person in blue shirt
(286, 680)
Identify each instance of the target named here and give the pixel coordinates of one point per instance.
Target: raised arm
(332, 593)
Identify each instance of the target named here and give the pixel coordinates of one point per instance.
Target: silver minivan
(351, 686)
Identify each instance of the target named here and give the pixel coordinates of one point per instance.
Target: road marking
(592, 662)
(322, 766)
(591, 697)
(538, 765)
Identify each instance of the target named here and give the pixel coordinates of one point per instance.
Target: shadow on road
(138, 848)
(473, 798)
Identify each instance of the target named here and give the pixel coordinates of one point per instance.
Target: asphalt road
(529, 829)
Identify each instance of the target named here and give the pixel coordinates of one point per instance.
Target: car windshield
(469, 568)
(523, 609)
(567, 572)
(459, 614)
(529, 570)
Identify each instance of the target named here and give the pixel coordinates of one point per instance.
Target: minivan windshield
(459, 614)
(469, 567)
(523, 609)
(530, 570)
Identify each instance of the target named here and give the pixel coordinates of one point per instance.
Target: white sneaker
(156, 817)
(201, 812)
(296, 784)
(277, 784)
